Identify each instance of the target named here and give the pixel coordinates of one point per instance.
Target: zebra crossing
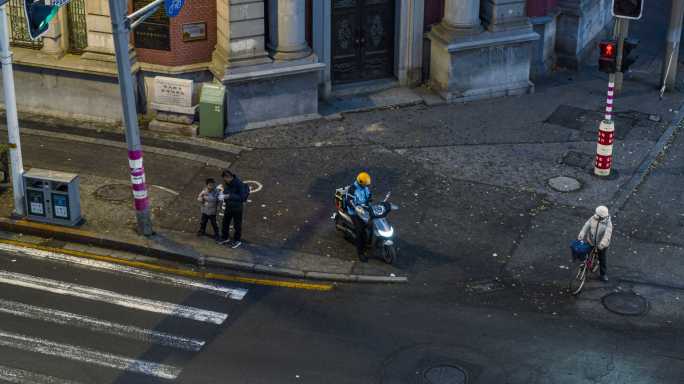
(29, 292)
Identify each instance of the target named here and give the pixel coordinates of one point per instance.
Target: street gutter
(177, 255)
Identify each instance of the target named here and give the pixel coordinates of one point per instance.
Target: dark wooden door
(362, 40)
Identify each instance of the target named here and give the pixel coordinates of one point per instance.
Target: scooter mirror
(387, 196)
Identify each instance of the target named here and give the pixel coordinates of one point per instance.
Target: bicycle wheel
(594, 262)
(577, 283)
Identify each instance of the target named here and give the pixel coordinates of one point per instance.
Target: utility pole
(17, 166)
(671, 59)
(121, 27)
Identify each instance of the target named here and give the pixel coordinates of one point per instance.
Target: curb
(116, 144)
(91, 238)
(635, 181)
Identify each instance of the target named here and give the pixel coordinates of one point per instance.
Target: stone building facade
(289, 55)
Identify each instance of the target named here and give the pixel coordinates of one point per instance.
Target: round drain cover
(445, 374)
(564, 184)
(114, 192)
(625, 303)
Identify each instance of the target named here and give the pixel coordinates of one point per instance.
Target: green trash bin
(212, 110)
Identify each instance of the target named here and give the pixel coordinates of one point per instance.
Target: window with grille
(19, 35)
(78, 30)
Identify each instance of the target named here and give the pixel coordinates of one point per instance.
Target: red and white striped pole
(140, 198)
(121, 36)
(606, 136)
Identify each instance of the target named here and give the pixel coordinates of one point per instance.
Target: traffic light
(627, 48)
(608, 56)
(38, 16)
(628, 9)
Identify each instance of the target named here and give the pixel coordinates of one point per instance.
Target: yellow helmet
(363, 179)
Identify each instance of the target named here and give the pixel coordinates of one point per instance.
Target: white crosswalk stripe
(233, 293)
(101, 295)
(97, 325)
(97, 356)
(87, 355)
(19, 376)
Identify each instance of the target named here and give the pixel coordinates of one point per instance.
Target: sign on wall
(194, 31)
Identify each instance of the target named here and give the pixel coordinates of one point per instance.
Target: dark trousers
(603, 267)
(234, 215)
(360, 229)
(203, 224)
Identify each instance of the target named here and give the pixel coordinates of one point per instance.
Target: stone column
(241, 30)
(462, 14)
(467, 63)
(99, 24)
(288, 29)
(501, 15)
(52, 39)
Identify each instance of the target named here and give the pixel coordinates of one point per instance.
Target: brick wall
(191, 52)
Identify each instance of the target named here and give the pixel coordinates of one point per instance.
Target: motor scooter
(380, 233)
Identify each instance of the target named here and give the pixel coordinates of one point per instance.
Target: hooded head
(601, 212)
(227, 175)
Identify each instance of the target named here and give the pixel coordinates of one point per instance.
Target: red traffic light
(608, 56)
(608, 49)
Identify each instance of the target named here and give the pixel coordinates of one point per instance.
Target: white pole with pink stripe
(606, 136)
(121, 35)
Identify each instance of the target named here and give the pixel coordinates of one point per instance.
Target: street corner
(441, 221)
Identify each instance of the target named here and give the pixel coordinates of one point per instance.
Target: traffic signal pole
(17, 166)
(121, 34)
(674, 32)
(620, 34)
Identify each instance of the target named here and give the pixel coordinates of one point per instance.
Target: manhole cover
(445, 374)
(564, 184)
(114, 192)
(625, 303)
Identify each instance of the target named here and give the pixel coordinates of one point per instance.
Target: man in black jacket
(232, 193)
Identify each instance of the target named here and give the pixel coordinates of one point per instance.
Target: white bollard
(604, 148)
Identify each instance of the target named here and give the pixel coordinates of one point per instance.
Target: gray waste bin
(52, 197)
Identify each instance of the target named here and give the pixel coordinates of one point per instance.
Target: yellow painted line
(54, 228)
(176, 271)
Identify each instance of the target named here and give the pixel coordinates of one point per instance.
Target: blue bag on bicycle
(580, 249)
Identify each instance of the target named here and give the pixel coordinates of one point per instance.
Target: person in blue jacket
(359, 195)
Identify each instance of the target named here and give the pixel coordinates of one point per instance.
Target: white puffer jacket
(595, 229)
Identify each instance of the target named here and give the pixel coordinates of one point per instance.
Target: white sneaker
(235, 244)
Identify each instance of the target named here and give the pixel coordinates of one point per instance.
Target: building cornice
(67, 63)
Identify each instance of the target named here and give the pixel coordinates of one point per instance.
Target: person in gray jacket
(597, 231)
(209, 197)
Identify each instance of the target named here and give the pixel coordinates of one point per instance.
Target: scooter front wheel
(389, 253)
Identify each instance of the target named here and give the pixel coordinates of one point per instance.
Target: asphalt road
(63, 322)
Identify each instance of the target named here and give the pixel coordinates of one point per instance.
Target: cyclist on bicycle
(597, 231)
